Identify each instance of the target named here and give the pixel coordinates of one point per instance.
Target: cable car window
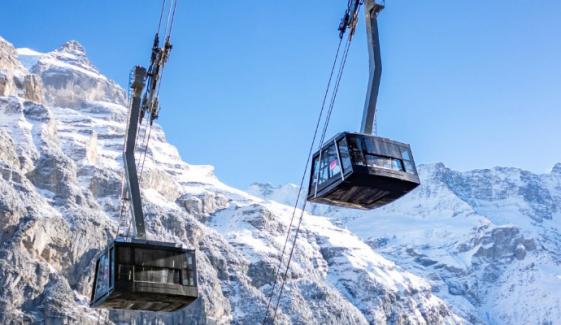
(157, 267)
(102, 277)
(125, 272)
(397, 164)
(385, 162)
(323, 171)
(344, 154)
(371, 146)
(329, 166)
(125, 268)
(378, 161)
(184, 277)
(188, 278)
(191, 278)
(356, 151)
(111, 266)
(405, 154)
(409, 166)
(334, 167)
(154, 274)
(314, 174)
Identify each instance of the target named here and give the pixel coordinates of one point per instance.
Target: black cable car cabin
(145, 275)
(136, 273)
(361, 171)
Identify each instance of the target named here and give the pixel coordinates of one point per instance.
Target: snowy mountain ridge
(61, 138)
(487, 240)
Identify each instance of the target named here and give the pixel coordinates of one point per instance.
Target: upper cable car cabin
(145, 275)
(356, 170)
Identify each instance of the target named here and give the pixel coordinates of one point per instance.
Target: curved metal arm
(128, 157)
(372, 11)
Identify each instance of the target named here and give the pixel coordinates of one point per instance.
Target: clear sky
(473, 84)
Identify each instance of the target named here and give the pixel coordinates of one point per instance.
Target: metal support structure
(368, 117)
(128, 157)
(350, 20)
(160, 55)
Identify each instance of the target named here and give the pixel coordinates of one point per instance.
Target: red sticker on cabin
(333, 164)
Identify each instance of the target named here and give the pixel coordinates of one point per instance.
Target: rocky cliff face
(487, 240)
(61, 171)
(14, 78)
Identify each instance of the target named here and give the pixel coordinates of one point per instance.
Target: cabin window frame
(152, 273)
(345, 159)
(408, 161)
(315, 176)
(103, 281)
(128, 270)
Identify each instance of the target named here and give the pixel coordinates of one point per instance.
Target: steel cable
(161, 16)
(328, 116)
(310, 151)
(302, 211)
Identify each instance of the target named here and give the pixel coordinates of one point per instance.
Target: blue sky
(471, 84)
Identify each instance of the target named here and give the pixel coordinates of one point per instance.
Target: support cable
(330, 109)
(310, 151)
(303, 209)
(322, 139)
(172, 18)
(145, 151)
(161, 15)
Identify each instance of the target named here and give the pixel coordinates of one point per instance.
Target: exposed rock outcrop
(15, 80)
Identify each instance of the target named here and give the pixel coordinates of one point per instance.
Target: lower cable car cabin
(144, 275)
(363, 171)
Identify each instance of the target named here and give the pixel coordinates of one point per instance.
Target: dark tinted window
(397, 164)
(408, 164)
(111, 266)
(155, 274)
(329, 165)
(345, 155)
(188, 272)
(102, 276)
(378, 161)
(157, 266)
(188, 278)
(356, 150)
(124, 254)
(384, 162)
(314, 175)
(326, 169)
(158, 258)
(125, 272)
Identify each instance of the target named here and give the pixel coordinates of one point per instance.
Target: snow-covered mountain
(61, 135)
(488, 241)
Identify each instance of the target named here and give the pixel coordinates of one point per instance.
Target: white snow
(28, 57)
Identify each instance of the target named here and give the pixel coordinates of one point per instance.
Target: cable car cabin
(361, 171)
(145, 275)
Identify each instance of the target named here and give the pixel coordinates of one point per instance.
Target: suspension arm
(128, 157)
(372, 11)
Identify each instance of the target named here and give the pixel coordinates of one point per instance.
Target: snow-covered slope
(487, 240)
(60, 167)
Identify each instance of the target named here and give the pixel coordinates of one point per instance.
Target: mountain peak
(556, 169)
(73, 47)
(435, 169)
